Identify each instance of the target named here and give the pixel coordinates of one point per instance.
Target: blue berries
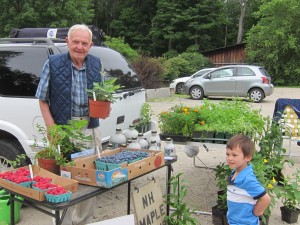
(114, 161)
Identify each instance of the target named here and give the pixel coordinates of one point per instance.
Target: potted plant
(289, 193)
(204, 132)
(179, 122)
(219, 211)
(101, 96)
(181, 212)
(268, 162)
(144, 124)
(230, 117)
(63, 140)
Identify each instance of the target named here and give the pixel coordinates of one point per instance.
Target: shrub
(149, 71)
(184, 64)
(119, 45)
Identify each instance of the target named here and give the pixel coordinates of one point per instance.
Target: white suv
(21, 62)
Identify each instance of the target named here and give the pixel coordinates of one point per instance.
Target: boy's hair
(242, 141)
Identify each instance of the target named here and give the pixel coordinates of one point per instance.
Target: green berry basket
(58, 198)
(101, 165)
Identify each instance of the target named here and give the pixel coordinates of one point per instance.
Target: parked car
(233, 81)
(22, 60)
(177, 84)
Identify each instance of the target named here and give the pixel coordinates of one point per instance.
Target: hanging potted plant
(101, 97)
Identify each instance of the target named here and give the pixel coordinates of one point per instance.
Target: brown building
(234, 54)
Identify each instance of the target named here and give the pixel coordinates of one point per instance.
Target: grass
(172, 98)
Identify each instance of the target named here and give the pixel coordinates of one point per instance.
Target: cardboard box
(69, 184)
(85, 171)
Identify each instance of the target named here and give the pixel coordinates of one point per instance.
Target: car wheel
(196, 93)
(179, 88)
(256, 95)
(9, 150)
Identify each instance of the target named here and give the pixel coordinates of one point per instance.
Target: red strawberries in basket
(57, 191)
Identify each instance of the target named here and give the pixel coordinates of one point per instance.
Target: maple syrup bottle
(143, 142)
(169, 148)
(155, 137)
(117, 139)
(133, 143)
(153, 146)
(131, 132)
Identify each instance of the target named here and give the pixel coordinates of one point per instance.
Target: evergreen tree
(39, 13)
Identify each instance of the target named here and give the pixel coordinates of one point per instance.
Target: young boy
(247, 199)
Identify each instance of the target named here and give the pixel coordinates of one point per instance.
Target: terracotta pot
(99, 109)
(49, 164)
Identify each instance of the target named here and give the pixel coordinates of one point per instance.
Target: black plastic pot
(289, 215)
(219, 216)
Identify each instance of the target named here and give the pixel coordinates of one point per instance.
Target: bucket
(5, 209)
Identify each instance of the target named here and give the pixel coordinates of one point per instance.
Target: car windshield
(200, 73)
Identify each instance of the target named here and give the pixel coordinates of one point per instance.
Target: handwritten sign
(149, 205)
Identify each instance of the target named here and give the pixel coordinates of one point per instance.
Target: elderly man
(62, 97)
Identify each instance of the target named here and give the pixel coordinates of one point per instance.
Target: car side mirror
(207, 76)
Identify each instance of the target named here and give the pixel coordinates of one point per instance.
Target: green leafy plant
(222, 172)
(69, 138)
(146, 113)
(180, 120)
(182, 213)
(20, 159)
(268, 161)
(234, 117)
(289, 192)
(104, 90)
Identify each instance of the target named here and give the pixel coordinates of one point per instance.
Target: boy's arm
(261, 205)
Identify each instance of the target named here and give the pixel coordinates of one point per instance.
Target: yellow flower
(202, 122)
(185, 110)
(273, 180)
(265, 161)
(196, 110)
(270, 186)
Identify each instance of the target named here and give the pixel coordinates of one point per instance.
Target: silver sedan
(231, 81)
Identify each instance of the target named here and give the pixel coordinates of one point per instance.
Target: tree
(39, 13)
(243, 6)
(105, 12)
(275, 41)
(184, 64)
(178, 25)
(134, 22)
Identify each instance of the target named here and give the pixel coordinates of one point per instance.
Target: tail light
(265, 80)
